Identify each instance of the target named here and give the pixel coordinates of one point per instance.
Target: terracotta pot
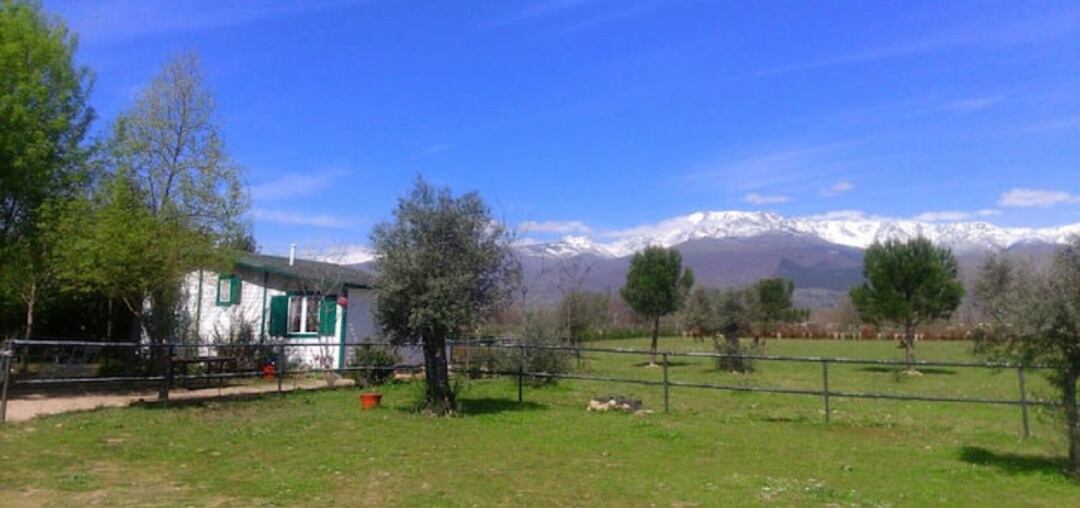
(370, 400)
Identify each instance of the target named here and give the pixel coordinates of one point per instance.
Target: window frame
(232, 296)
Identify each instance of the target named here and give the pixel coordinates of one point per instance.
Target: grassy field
(714, 448)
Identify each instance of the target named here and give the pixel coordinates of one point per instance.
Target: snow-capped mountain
(851, 229)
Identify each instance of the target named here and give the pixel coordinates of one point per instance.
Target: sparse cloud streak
(758, 199)
(837, 189)
(295, 185)
(1035, 198)
(290, 218)
(561, 227)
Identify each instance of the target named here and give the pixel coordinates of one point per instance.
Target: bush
(378, 363)
(540, 360)
(735, 363)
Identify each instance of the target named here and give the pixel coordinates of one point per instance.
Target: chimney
(292, 254)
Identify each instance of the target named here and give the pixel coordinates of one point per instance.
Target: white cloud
(988, 212)
(757, 199)
(550, 226)
(295, 185)
(341, 254)
(298, 219)
(942, 216)
(837, 189)
(1035, 198)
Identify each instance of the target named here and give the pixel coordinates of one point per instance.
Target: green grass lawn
(714, 448)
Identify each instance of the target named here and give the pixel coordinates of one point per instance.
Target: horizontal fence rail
(169, 377)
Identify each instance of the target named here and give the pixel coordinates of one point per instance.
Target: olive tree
(1034, 318)
(656, 285)
(442, 265)
(908, 284)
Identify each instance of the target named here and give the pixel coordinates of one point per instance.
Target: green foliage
(582, 311)
(443, 265)
(44, 118)
(771, 305)
(908, 283)
(710, 312)
(169, 144)
(539, 360)
(43, 114)
(656, 283)
(379, 363)
(1035, 319)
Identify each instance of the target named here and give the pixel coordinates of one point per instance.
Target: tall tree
(117, 248)
(172, 202)
(1035, 319)
(656, 285)
(443, 265)
(170, 144)
(43, 121)
(908, 284)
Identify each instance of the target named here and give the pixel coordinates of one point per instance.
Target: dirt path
(41, 404)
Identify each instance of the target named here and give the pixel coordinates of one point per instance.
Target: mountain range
(822, 254)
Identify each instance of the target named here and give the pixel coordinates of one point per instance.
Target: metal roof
(308, 270)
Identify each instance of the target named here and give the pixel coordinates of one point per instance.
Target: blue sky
(599, 115)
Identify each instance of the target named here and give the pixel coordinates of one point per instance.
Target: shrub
(735, 363)
(539, 360)
(378, 365)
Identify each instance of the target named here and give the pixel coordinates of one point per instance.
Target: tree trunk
(108, 322)
(909, 345)
(655, 335)
(438, 395)
(1072, 417)
(31, 300)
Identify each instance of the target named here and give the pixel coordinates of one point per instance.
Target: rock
(614, 403)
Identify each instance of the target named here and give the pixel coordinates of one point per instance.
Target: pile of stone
(614, 403)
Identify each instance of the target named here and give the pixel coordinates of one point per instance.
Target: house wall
(362, 327)
(210, 323)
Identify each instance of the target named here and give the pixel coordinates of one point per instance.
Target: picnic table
(219, 364)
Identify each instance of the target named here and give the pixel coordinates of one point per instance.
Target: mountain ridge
(849, 229)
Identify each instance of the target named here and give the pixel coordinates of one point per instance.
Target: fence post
(521, 374)
(282, 362)
(166, 383)
(6, 353)
(1023, 400)
(825, 392)
(666, 385)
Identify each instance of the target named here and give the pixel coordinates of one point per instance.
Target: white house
(274, 299)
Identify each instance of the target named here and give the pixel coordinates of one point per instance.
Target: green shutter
(279, 315)
(328, 316)
(234, 297)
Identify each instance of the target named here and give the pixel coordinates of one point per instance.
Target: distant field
(715, 448)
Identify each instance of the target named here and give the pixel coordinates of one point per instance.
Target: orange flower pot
(370, 400)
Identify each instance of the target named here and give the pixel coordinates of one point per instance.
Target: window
(303, 314)
(228, 290)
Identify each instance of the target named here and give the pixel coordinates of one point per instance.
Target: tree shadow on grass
(488, 405)
(1012, 463)
(922, 370)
